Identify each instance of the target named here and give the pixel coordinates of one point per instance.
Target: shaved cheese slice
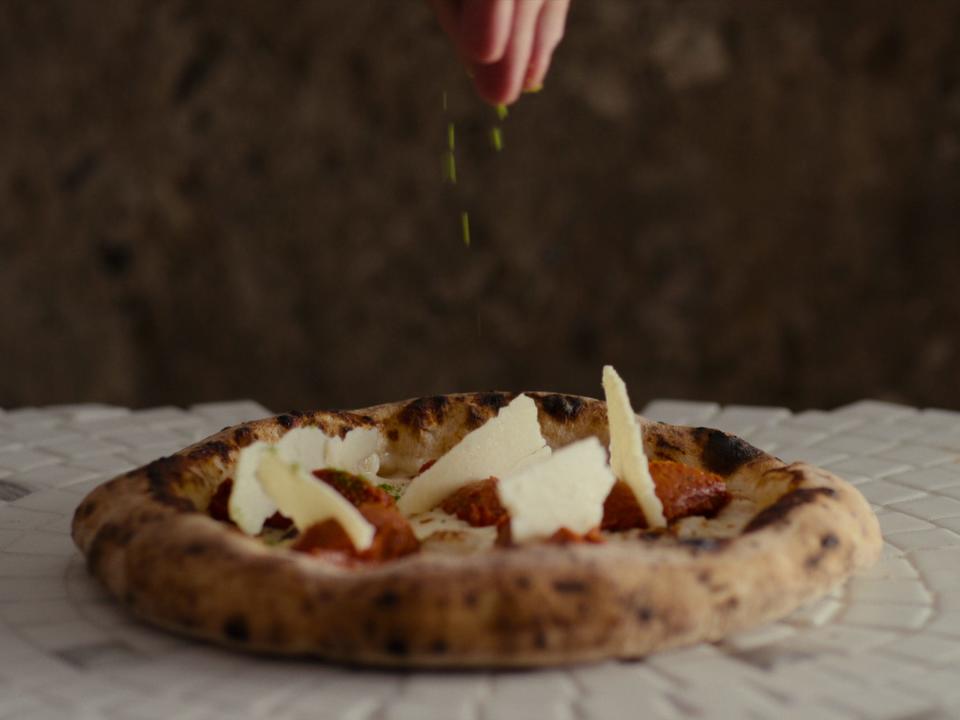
(249, 506)
(627, 458)
(307, 500)
(502, 445)
(358, 451)
(566, 491)
(304, 446)
(311, 448)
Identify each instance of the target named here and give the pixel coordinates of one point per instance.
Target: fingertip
(494, 86)
(485, 29)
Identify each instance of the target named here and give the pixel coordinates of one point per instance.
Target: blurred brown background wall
(737, 200)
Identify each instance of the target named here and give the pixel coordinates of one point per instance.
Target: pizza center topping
(501, 477)
(477, 504)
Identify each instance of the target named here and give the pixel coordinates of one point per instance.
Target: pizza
(472, 530)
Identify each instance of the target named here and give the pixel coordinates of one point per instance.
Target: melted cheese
(627, 458)
(504, 444)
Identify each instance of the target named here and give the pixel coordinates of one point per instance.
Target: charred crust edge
(562, 408)
(164, 474)
(779, 511)
(424, 412)
(723, 454)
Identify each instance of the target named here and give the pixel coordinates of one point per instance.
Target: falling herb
(465, 227)
(496, 138)
(502, 112)
(450, 167)
(451, 137)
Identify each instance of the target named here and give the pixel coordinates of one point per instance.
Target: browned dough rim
(145, 539)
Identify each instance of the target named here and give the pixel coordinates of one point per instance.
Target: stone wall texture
(747, 201)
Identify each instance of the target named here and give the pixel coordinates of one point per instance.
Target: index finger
(485, 28)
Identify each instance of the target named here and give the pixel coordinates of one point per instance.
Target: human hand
(506, 45)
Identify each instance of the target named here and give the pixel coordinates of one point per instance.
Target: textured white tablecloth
(886, 646)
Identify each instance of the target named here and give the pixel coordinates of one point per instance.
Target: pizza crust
(146, 538)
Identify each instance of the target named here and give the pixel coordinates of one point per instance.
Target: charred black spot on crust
(470, 599)
(782, 507)
(162, 477)
(194, 549)
(397, 646)
(243, 436)
(393, 435)
(522, 582)
(387, 599)
(644, 615)
(540, 639)
(235, 627)
(721, 453)
(493, 400)
(704, 544)
(438, 646)
(86, 509)
(828, 541)
(561, 407)
(666, 448)
(215, 448)
(424, 412)
(109, 534)
(474, 419)
(287, 420)
(570, 586)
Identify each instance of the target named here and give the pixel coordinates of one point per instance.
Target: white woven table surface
(886, 646)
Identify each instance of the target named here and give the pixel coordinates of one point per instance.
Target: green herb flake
(502, 112)
(533, 90)
(391, 490)
(451, 137)
(450, 167)
(465, 227)
(496, 138)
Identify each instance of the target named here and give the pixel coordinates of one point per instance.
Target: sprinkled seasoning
(450, 167)
(451, 137)
(502, 112)
(496, 138)
(465, 227)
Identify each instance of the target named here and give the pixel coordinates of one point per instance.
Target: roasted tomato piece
(278, 521)
(354, 488)
(621, 511)
(217, 509)
(684, 491)
(426, 466)
(393, 538)
(477, 504)
(563, 536)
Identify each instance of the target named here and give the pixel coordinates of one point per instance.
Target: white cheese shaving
(312, 449)
(504, 444)
(627, 458)
(249, 506)
(566, 491)
(307, 500)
